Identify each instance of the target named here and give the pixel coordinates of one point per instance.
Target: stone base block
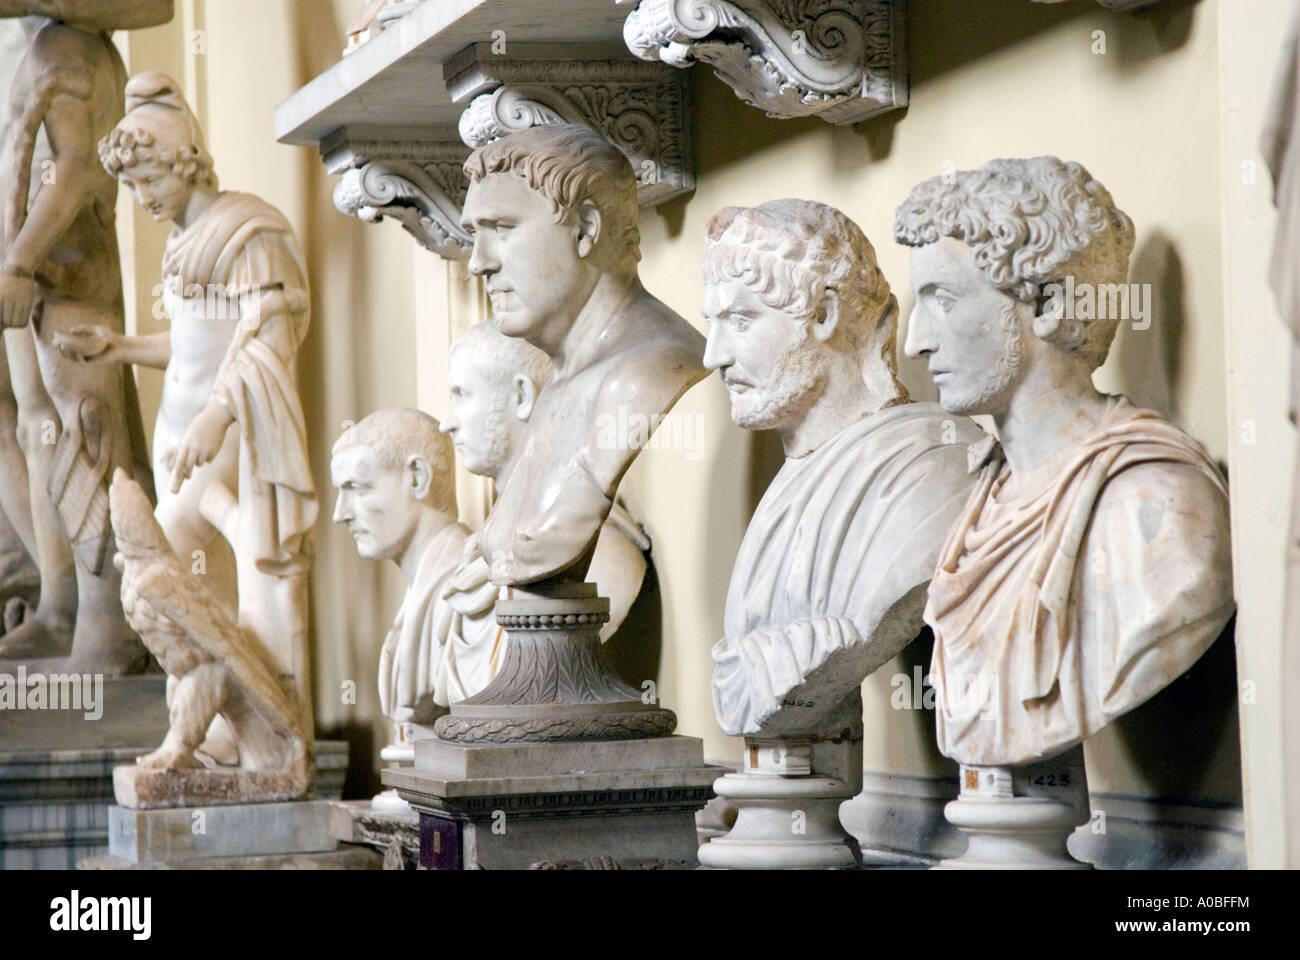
(356, 858)
(234, 830)
(515, 806)
(145, 788)
(393, 833)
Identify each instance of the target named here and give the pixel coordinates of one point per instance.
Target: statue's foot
(170, 758)
(35, 639)
(105, 644)
(219, 745)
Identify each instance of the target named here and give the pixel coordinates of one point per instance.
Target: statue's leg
(93, 441)
(199, 545)
(49, 632)
(19, 578)
(192, 701)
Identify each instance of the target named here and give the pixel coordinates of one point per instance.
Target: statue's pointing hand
(202, 442)
(87, 342)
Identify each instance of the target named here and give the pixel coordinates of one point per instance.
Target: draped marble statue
(493, 381)
(1091, 565)
(239, 501)
(831, 576)
(393, 473)
(64, 428)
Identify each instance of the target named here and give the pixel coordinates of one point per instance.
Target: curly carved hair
(790, 252)
(568, 164)
(154, 104)
(1029, 222)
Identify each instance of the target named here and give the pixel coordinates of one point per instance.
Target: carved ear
(589, 223)
(523, 393)
(827, 317)
(419, 476)
(1048, 311)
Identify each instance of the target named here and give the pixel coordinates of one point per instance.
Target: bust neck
(597, 329)
(427, 528)
(845, 399)
(1054, 408)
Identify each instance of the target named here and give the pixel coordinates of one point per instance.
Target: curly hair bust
(1029, 222)
(790, 252)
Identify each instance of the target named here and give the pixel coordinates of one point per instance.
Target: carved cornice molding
(640, 107)
(417, 182)
(841, 60)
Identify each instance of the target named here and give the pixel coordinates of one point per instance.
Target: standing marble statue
(553, 211)
(59, 268)
(396, 495)
(493, 381)
(1091, 565)
(831, 576)
(239, 501)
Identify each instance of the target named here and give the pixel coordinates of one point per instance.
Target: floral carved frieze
(419, 183)
(640, 107)
(841, 60)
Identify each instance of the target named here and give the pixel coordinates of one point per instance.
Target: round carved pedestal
(554, 683)
(1020, 818)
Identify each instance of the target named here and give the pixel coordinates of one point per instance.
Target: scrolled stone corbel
(417, 183)
(842, 60)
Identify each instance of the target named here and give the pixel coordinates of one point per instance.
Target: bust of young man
(494, 381)
(830, 579)
(553, 212)
(1091, 565)
(396, 496)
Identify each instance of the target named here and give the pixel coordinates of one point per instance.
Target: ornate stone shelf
(395, 116)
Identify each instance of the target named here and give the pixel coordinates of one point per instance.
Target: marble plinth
(352, 859)
(233, 830)
(145, 788)
(783, 823)
(1020, 818)
(513, 806)
(54, 802)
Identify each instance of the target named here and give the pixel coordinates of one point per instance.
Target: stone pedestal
(554, 683)
(187, 836)
(1019, 818)
(393, 834)
(515, 806)
(787, 813)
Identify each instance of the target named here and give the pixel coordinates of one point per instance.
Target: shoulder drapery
(839, 539)
(242, 251)
(1064, 609)
(439, 650)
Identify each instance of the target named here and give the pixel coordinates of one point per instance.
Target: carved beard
(790, 393)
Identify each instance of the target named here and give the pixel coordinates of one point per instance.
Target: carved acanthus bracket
(841, 60)
(640, 107)
(417, 182)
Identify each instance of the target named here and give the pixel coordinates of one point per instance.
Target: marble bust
(393, 473)
(834, 564)
(830, 579)
(493, 382)
(1091, 565)
(553, 213)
